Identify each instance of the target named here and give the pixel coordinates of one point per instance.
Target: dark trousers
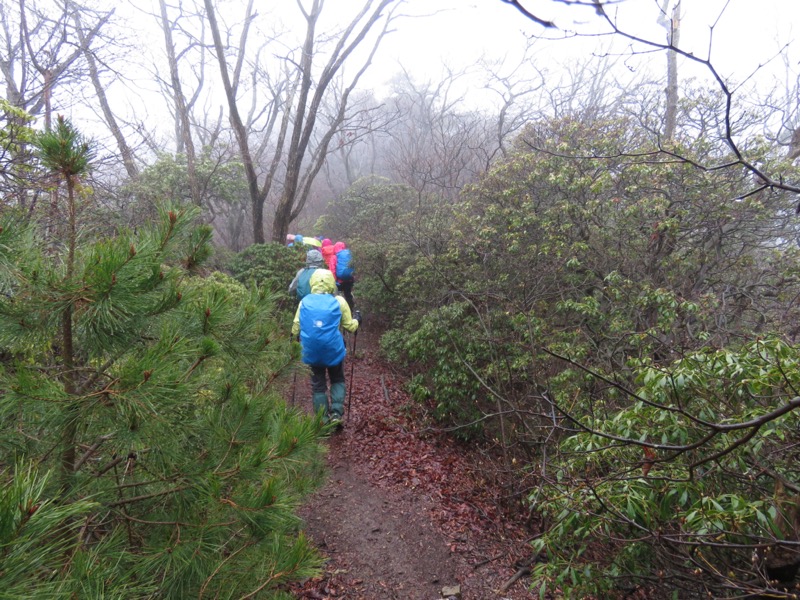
(318, 379)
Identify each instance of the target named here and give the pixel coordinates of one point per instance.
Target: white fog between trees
(145, 80)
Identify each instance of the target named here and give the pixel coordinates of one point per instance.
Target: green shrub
(680, 479)
(443, 361)
(271, 266)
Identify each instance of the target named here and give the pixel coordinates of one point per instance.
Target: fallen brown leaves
(384, 440)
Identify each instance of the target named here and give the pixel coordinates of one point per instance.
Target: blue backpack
(304, 282)
(344, 265)
(322, 342)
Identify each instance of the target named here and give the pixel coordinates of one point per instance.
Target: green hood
(322, 282)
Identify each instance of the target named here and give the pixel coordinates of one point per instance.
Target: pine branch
(92, 449)
(147, 496)
(223, 563)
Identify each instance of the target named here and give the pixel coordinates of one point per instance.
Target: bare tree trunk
(70, 431)
(673, 27)
(300, 104)
(237, 124)
(182, 125)
(299, 141)
(794, 145)
(125, 151)
(292, 202)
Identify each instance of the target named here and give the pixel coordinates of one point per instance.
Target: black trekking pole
(352, 368)
(294, 379)
(353, 364)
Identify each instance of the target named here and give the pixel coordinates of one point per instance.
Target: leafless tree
(515, 88)
(40, 55)
(432, 148)
(41, 51)
(727, 114)
(354, 151)
(94, 66)
(296, 106)
(673, 28)
(183, 132)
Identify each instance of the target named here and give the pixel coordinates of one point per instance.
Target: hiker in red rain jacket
(329, 255)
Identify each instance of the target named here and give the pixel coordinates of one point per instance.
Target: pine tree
(68, 156)
(150, 392)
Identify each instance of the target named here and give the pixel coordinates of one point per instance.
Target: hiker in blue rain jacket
(302, 281)
(319, 320)
(345, 276)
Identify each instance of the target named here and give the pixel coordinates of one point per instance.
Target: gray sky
(739, 34)
(746, 33)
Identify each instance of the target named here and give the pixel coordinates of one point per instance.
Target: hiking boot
(338, 393)
(335, 423)
(320, 401)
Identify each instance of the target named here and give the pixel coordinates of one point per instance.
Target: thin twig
(385, 391)
(92, 450)
(147, 496)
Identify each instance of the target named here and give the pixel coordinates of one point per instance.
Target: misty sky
(739, 34)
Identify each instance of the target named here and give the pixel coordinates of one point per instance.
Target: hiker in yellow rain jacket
(319, 319)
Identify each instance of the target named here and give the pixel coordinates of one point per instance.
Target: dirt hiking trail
(404, 514)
